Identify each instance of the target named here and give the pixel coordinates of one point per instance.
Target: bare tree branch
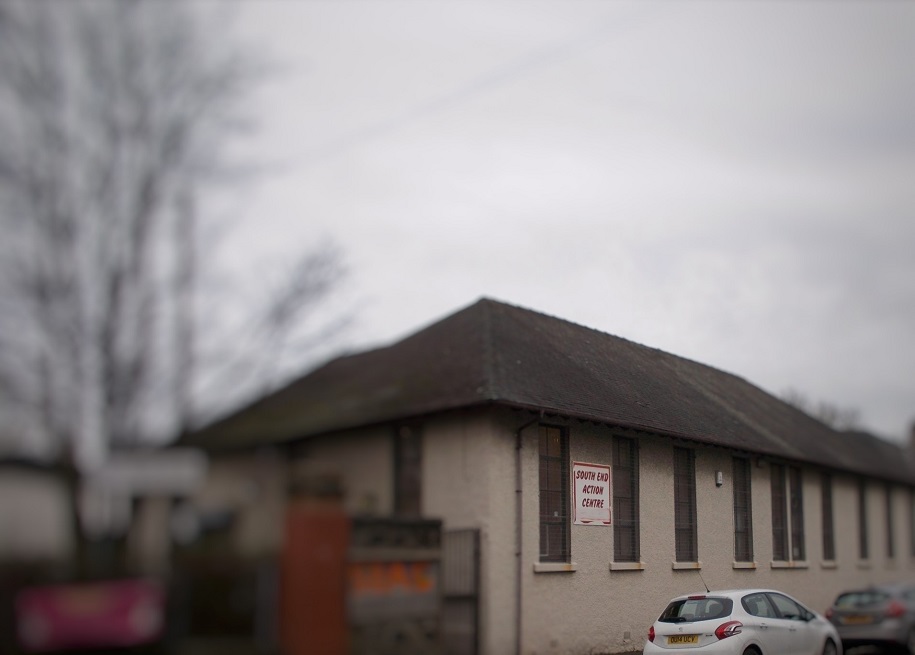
(840, 418)
(114, 119)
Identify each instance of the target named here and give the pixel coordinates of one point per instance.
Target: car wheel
(830, 647)
(910, 642)
(751, 650)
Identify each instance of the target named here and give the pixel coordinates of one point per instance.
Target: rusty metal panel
(394, 589)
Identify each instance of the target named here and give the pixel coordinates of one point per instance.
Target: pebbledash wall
(470, 478)
(594, 608)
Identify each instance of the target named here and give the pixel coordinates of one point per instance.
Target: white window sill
(555, 567)
(864, 564)
(750, 566)
(792, 564)
(627, 566)
(829, 564)
(685, 566)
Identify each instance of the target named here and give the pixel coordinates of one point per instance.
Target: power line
(498, 77)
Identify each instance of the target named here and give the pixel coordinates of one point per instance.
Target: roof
(492, 352)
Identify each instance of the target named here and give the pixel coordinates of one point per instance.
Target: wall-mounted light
(719, 478)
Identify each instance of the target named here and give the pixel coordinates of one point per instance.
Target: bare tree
(114, 119)
(840, 418)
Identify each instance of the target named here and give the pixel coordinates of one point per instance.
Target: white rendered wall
(35, 520)
(597, 610)
(254, 485)
(468, 481)
(362, 461)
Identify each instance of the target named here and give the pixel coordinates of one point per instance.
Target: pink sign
(90, 615)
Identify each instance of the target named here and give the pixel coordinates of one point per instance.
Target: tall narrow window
(408, 456)
(743, 511)
(779, 513)
(798, 550)
(787, 513)
(863, 549)
(912, 522)
(890, 531)
(554, 494)
(829, 537)
(625, 500)
(687, 549)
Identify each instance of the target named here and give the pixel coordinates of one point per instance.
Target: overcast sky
(729, 182)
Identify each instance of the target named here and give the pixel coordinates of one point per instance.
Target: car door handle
(763, 626)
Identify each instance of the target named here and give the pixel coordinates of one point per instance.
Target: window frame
(863, 541)
(743, 509)
(780, 539)
(912, 522)
(557, 464)
(796, 508)
(828, 517)
(788, 529)
(626, 525)
(890, 525)
(408, 470)
(686, 546)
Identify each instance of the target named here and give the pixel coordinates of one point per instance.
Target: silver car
(878, 616)
(741, 622)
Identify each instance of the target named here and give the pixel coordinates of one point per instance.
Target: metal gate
(394, 591)
(461, 590)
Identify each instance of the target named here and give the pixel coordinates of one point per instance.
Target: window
(698, 608)
(829, 537)
(798, 551)
(912, 522)
(788, 609)
(863, 550)
(758, 604)
(625, 500)
(554, 494)
(408, 471)
(890, 532)
(687, 549)
(743, 511)
(771, 605)
(787, 513)
(779, 513)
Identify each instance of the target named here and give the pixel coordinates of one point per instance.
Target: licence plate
(857, 620)
(682, 639)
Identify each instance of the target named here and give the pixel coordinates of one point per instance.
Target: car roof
(729, 593)
(890, 587)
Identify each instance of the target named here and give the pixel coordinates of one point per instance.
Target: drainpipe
(519, 533)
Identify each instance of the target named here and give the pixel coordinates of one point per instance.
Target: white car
(741, 622)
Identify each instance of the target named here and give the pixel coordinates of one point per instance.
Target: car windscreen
(865, 598)
(700, 608)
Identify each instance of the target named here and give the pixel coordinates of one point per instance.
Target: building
(602, 476)
(102, 534)
(35, 513)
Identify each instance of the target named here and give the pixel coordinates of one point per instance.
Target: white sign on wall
(591, 494)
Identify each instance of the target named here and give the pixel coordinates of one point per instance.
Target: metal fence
(461, 591)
